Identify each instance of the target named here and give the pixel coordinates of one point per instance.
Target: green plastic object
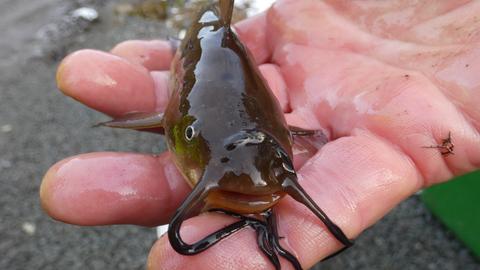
(457, 204)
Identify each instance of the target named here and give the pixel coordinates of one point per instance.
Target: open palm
(383, 81)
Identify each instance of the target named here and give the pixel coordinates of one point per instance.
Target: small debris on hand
(447, 146)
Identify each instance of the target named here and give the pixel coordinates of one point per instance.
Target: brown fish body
(237, 124)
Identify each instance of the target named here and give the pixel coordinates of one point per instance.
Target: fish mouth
(241, 203)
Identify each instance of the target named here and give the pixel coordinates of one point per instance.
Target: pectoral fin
(297, 131)
(137, 120)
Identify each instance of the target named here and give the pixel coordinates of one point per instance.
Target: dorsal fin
(226, 11)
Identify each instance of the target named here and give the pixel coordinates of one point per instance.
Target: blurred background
(39, 126)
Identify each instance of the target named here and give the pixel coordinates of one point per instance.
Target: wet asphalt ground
(39, 126)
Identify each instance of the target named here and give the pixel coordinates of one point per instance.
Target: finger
(153, 55)
(113, 188)
(252, 33)
(355, 179)
(106, 83)
(160, 80)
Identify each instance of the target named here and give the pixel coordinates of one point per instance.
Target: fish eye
(189, 133)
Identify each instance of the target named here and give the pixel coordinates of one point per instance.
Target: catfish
(229, 138)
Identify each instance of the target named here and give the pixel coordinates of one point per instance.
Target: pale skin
(385, 81)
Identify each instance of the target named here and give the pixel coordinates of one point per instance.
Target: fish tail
(226, 11)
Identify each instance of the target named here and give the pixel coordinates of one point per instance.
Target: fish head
(248, 173)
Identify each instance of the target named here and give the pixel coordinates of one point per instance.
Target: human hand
(381, 91)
